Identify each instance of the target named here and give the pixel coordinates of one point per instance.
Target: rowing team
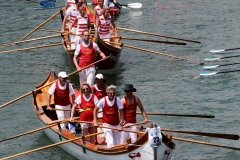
(78, 21)
(96, 99)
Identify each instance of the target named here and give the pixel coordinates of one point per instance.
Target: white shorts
(86, 125)
(126, 135)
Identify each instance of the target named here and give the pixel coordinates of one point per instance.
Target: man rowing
(130, 103)
(98, 11)
(112, 116)
(86, 51)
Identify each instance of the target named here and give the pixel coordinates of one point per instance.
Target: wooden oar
(16, 99)
(49, 30)
(29, 40)
(179, 115)
(208, 134)
(38, 129)
(34, 47)
(205, 143)
(54, 15)
(152, 40)
(146, 50)
(51, 145)
(137, 31)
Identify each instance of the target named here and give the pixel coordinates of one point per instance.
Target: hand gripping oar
(179, 115)
(214, 59)
(38, 129)
(132, 5)
(206, 73)
(51, 145)
(221, 50)
(205, 143)
(27, 94)
(137, 31)
(220, 65)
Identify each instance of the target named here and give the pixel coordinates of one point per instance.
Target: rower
(83, 23)
(61, 90)
(111, 3)
(130, 103)
(87, 102)
(69, 3)
(71, 14)
(104, 23)
(112, 111)
(98, 11)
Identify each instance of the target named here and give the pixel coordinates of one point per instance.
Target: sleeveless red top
(87, 106)
(130, 110)
(87, 55)
(99, 94)
(61, 97)
(110, 114)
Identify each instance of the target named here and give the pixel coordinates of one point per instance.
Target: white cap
(62, 74)
(99, 76)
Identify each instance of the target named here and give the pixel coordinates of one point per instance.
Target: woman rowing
(104, 23)
(83, 23)
(87, 102)
(98, 11)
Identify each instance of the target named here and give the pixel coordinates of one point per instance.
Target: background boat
(106, 48)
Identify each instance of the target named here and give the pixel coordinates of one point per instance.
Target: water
(164, 84)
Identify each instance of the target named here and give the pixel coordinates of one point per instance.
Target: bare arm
(101, 54)
(89, 27)
(73, 111)
(48, 102)
(140, 106)
(94, 16)
(95, 111)
(72, 24)
(64, 23)
(75, 62)
(66, 5)
(114, 27)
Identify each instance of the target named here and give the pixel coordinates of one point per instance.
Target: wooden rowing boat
(114, 11)
(84, 150)
(114, 51)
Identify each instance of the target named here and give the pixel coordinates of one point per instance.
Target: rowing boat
(82, 149)
(114, 51)
(114, 11)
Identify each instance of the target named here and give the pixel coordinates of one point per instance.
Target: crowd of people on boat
(76, 20)
(98, 103)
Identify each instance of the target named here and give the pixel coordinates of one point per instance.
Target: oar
(205, 143)
(179, 115)
(38, 129)
(16, 99)
(206, 73)
(34, 47)
(132, 5)
(221, 50)
(29, 40)
(214, 59)
(51, 145)
(151, 40)
(146, 50)
(153, 34)
(54, 15)
(220, 65)
(217, 135)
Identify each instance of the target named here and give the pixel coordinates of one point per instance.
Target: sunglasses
(85, 89)
(112, 93)
(128, 91)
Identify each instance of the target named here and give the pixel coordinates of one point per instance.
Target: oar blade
(211, 59)
(211, 67)
(217, 51)
(135, 5)
(47, 4)
(206, 73)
